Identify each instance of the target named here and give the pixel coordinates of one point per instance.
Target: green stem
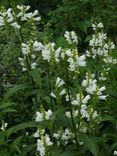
(70, 107)
(50, 88)
(28, 64)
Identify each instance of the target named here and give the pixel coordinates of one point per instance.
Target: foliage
(56, 100)
(78, 15)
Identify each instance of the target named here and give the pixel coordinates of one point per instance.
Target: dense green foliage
(71, 82)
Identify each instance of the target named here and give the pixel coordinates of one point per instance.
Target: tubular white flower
(53, 95)
(100, 25)
(74, 37)
(33, 65)
(115, 152)
(25, 49)
(68, 114)
(4, 125)
(39, 117)
(81, 61)
(15, 25)
(37, 46)
(95, 114)
(63, 92)
(102, 97)
(71, 37)
(40, 147)
(59, 82)
(86, 99)
(47, 141)
(48, 114)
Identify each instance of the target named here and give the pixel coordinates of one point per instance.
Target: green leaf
(20, 127)
(108, 118)
(5, 105)
(15, 89)
(16, 143)
(28, 149)
(8, 110)
(36, 77)
(91, 145)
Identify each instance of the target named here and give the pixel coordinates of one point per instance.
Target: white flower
(59, 82)
(94, 115)
(69, 53)
(112, 46)
(24, 69)
(86, 99)
(33, 65)
(27, 16)
(67, 37)
(81, 60)
(53, 95)
(62, 92)
(94, 26)
(71, 37)
(72, 64)
(74, 37)
(33, 56)
(56, 135)
(68, 114)
(47, 140)
(36, 134)
(102, 88)
(25, 49)
(46, 54)
(43, 143)
(2, 21)
(37, 18)
(100, 25)
(4, 125)
(91, 89)
(115, 152)
(102, 97)
(84, 114)
(39, 117)
(57, 54)
(67, 98)
(48, 114)
(40, 147)
(37, 46)
(75, 102)
(15, 25)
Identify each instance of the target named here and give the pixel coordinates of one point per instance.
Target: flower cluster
(43, 141)
(76, 61)
(44, 115)
(4, 126)
(58, 91)
(64, 136)
(100, 46)
(50, 54)
(27, 16)
(91, 87)
(84, 115)
(29, 49)
(7, 17)
(71, 37)
(81, 108)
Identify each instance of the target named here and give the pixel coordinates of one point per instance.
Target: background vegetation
(18, 92)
